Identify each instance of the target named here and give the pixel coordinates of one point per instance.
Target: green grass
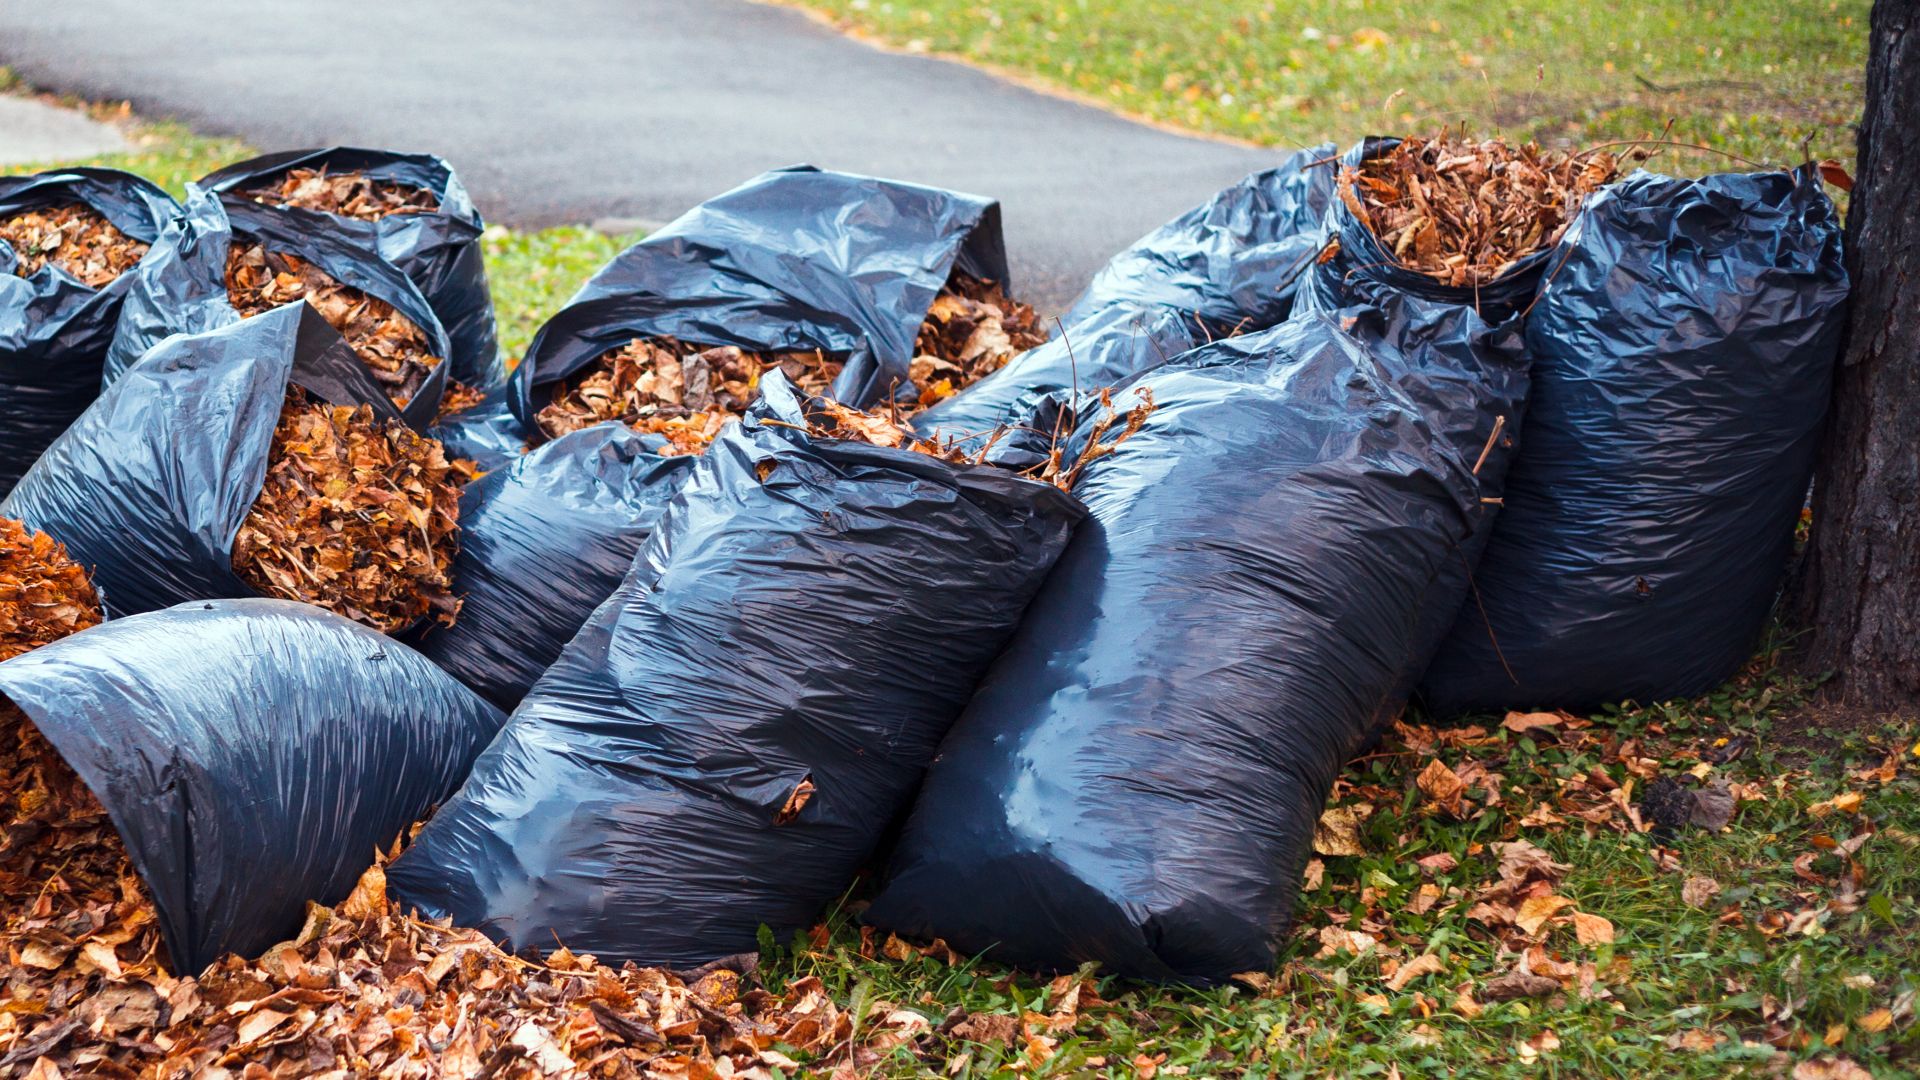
(532, 273)
(1751, 78)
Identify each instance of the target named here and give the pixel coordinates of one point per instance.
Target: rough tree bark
(1858, 589)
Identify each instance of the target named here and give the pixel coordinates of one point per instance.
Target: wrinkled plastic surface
(542, 542)
(1137, 780)
(54, 329)
(1103, 349)
(149, 487)
(826, 621)
(793, 259)
(1235, 260)
(439, 250)
(180, 287)
(253, 754)
(1683, 353)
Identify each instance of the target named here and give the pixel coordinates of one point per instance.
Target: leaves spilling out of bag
(44, 594)
(393, 347)
(972, 329)
(362, 990)
(1463, 212)
(349, 194)
(827, 419)
(356, 516)
(686, 393)
(75, 238)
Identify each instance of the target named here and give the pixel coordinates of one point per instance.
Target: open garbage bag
(732, 732)
(1137, 780)
(55, 329)
(1232, 263)
(253, 755)
(439, 250)
(794, 259)
(542, 542)
(150, 486)
(1683, 353)
(180, 287)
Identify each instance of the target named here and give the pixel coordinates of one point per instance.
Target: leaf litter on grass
(74, 237)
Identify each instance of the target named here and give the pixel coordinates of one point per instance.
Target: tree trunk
(1858, 590)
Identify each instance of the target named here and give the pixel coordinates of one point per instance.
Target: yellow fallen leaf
(1464, 1004)
(1335, 939)
(1338, 831)
(1592, 929)
(1424, 964)
(1876, 1021)
(1535, 911)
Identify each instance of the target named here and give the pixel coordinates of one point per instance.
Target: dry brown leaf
(350, 194)
(1592, 929)
(44, 594)
(971, 330)
(73, 237)
(1442, 786)
(1338, 830)
(1524, 722)
(1536, 911)
(1424, 964)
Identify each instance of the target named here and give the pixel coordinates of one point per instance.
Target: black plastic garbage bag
(1138, 778)
(54, 330)
(792, 260)
(438, 250)
(731, 733)
(180, 287)
(1683, 353)
(149, 487)
(1234, 261)
(542, 542)
(253, 755)
(1362, 263)
(1105, 348)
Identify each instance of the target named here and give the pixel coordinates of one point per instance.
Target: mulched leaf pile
(349, 194)
(75, 238)
(357, 516)
(667, 387)
(1463, 211)
(395, 349)
(44, 594)
(972, 329)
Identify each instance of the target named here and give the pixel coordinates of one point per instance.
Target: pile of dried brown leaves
(349, 194)
(395, 349)
(1463, 212)
(972, 329)
(363, 989)
(44, 594)
(832, 420)
(356, 516)
(75, 238)
(667, 387)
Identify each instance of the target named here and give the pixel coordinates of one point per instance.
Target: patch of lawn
(1754, 79)
(532, 274)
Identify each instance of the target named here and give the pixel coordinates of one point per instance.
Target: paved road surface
(571, 110)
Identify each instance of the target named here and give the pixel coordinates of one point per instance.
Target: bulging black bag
(1105, 348)
(1683, 350)
(794, 259)
(149, 487)
(54, 330)
(180, 287)
(253, 755)
(543, 541)
(439, 250)
(1137, 780)
(1234, 261)
(732, 732)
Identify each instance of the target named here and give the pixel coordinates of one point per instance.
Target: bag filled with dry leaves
(829, 276)
(67, 241)
(543, 540)
(732, 732)
(411, 208)
(1137, 779)
(1683, 349)
(252, 755)
(1234, 262)
(260, 458)
(227, 258)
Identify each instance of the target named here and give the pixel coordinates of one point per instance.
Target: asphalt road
(572, 110)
